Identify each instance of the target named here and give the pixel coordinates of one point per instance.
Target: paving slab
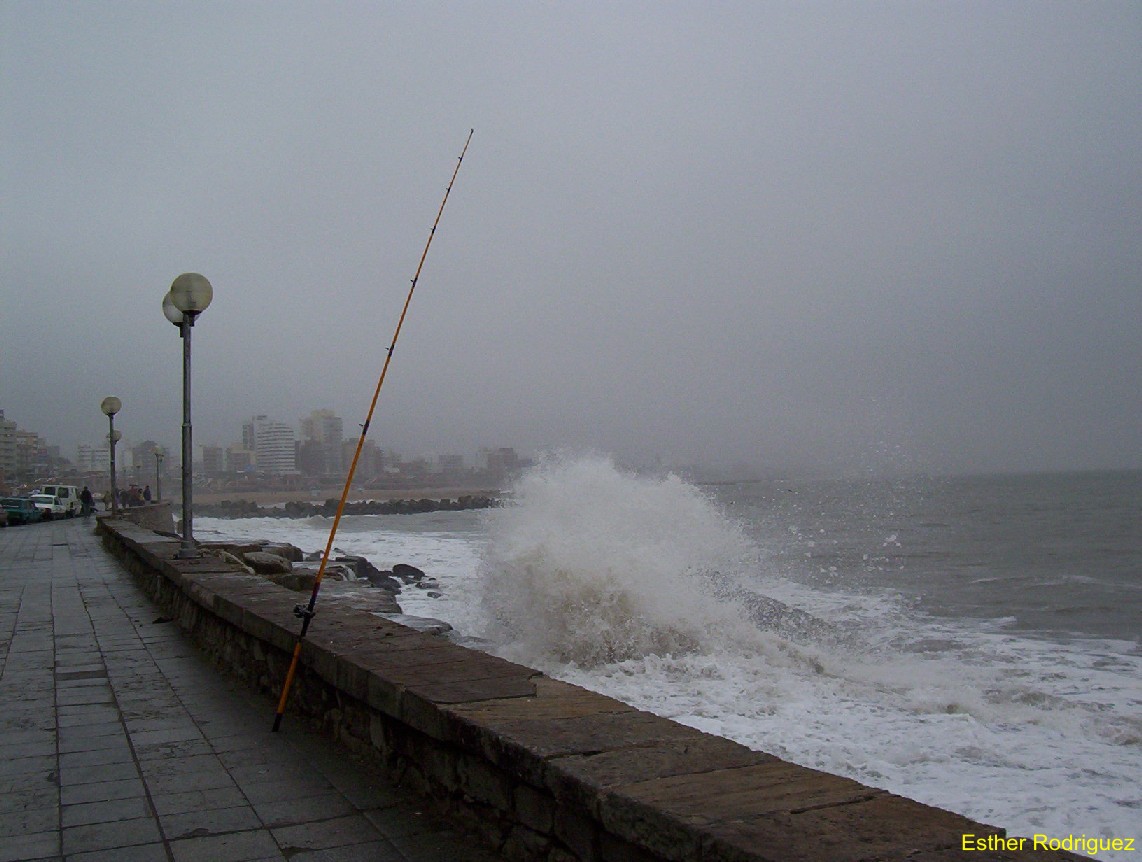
(123, 743)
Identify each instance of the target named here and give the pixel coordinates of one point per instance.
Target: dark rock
(289, 552)
(333, 571)
(298, 509)
(267, 564)
(298, 581)
(366, 571)
(385, 581)
(408, 574)
(304, 509)
(361, 566)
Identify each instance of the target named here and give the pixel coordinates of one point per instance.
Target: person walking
(86, 501)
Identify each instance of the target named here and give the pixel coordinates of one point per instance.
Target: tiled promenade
(121, 743)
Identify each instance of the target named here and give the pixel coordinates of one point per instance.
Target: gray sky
(850, 235)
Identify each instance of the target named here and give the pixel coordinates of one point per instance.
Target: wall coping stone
(542, 768)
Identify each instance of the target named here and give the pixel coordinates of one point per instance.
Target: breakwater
(539, 769)
(328, 508)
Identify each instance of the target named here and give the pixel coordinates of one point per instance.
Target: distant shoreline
(278, 498)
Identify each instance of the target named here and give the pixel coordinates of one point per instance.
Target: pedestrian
(86, 501)
(147, 494)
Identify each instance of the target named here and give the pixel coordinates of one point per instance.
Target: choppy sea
(974, 643)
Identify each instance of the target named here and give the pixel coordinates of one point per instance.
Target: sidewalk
(121, 743)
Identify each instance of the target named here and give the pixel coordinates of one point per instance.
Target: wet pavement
(122, 743)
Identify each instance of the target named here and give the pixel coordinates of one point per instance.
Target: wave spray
(587, 564)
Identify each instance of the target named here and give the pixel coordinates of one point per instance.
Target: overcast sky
(848, 235)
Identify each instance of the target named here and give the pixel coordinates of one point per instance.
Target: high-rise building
(321, 435)
(239, 460)
(7, 449)
(502, 463)
(370, 465)
(32, 458)
(93, 459)
(274, 445)
(27, 457)
(213, 461)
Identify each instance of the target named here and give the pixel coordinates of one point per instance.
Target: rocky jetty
(303, 509)
(349, 579)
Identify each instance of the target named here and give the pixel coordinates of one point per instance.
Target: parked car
(68, 496)
(51, 506)
(21, 510)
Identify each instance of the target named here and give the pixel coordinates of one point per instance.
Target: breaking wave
(587, 564)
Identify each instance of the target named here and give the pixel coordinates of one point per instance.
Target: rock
(361, 566)
(339, 572)
(408, 574)
(228, 557)
(307, 509)
(385, 581)
(428, 584)
(297, 581)
(333, 571)
(298, 509)
(359, 597)
(267, 564)
(286, 551)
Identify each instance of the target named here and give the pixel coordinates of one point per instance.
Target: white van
(50, 505)
(68, 496)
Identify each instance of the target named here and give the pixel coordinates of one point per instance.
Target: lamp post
(159, 453)
(189, 296)
(110, 406)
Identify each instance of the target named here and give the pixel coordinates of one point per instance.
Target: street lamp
(159, 453)
(189, 296)
(110, 406)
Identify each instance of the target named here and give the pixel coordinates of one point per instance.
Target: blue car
(21, 510)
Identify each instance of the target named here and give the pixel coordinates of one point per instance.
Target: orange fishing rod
(307, 612)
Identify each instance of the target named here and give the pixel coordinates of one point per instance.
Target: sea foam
(587, 564)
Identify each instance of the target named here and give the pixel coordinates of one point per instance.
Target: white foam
(636, 586)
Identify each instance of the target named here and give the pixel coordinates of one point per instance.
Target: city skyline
(137, 454)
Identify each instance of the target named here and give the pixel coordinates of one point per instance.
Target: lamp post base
(188, 553)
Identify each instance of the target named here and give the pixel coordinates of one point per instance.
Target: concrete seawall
(153, 516)
(540, 769)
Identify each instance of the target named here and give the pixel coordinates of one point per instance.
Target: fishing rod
(306, 612)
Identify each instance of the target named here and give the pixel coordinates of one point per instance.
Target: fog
(835, 236)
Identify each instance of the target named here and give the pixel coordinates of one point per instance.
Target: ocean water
(973, 643)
